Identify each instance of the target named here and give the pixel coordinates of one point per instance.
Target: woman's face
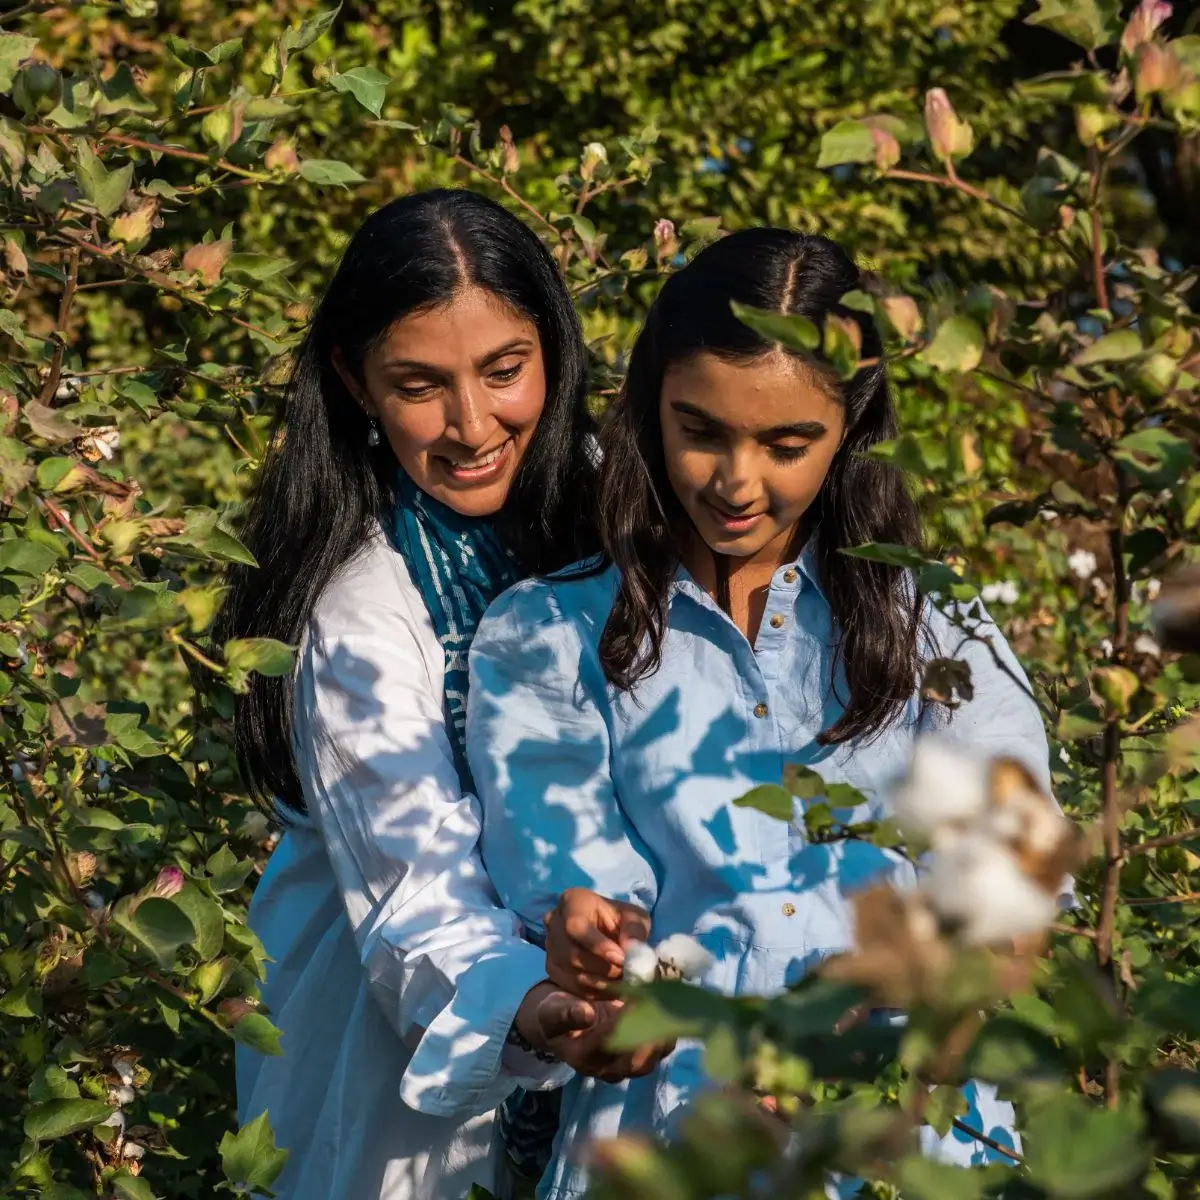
(748, 447)
(457, 391)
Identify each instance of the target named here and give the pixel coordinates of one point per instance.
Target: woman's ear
(361, 396)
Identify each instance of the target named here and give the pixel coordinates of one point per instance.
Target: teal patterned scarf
(459, 568)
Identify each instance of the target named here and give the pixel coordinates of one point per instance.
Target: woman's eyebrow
(413, 364)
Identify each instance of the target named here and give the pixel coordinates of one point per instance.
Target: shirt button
(760, 710)
(776, 622)
(789, 909)
(789, 576)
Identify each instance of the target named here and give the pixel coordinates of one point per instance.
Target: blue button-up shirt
(631, 794)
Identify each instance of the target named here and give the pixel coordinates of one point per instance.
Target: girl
(441, 385)
(617, 712)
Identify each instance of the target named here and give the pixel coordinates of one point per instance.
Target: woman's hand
(577, 1032)
(586, 936)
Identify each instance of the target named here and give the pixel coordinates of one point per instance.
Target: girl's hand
(586, 936)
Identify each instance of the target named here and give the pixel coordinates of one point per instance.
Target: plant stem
(64, 315)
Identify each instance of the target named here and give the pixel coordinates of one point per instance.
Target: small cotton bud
(949, 136)
(682, 957)
(666, 244)
(1157, 69)
(100, 443)
(641, 963)
(169, 882)
(122, 1095)
(945, 786)
(133, 1150)
(977, 886)
(1005, 592)
(510, 156)
(1082, 563)
(114, 1120)
(282, 156)
(1140, 28)
(594, 155)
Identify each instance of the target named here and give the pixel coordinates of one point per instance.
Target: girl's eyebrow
(800, 429)
(413, 364)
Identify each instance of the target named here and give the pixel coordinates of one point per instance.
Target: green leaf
(161, 926)
(126, 729)
(226, 873)
(257, 267)
(309, 31)
(1173, 1098)
(329, 171)
(1076, 1150)
(367, 85)
(119, 93)
(884, 552)
(21, 557)
(1007, 1050)
(957, 346)
(1155, 454)
(56, 1118)
(250, 1158)
(264, 655)
(52, 471)
(131, 1187)
(663, 1011)
(204, 537)
(846, 142)
(206, 918)
(795, 332)
(1112, 347)
(921, 1178)
(102, 187)
(1088, 23)
(14, 49)
(768, 798)
(255, 1031)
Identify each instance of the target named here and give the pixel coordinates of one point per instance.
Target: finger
(590, 987)
(634, 925)
(561, 1014)
(594, 939)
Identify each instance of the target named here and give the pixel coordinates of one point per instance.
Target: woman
(724, 636)
(441, 385)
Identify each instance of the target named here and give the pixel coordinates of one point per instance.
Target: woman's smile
(481, 468)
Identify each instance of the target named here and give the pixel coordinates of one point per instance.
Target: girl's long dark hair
(875, 611)
(321, 491)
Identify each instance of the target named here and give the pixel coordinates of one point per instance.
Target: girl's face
(457, 391)
(748, 447)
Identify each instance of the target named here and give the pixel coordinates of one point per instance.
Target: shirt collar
(802, 572)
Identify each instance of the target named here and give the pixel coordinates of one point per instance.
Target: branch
(975, 1135)
(64, 315)
(1170, 839)
(1097, 230)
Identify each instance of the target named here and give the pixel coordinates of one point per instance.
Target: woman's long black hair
(321, 491)
(875, 611)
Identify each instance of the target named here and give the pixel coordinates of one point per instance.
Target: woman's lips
(482, 469)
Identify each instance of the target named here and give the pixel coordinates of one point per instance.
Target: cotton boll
(682, 957)
(978, 886)
(945, 786)
(122, 1095)
(133, 1150)
(641, 963)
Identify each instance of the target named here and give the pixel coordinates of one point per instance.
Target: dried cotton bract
(679, 956)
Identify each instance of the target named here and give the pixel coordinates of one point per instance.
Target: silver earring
(373, 435)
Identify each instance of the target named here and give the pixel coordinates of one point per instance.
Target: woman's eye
(789, 453)
(415, 391)
(506, 374)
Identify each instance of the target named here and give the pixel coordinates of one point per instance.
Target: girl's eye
(415, 391)
(507, 374)
(788, 454)
(693, 434)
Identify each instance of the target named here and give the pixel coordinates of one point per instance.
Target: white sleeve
(446, 962)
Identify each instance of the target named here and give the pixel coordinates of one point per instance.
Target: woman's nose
(734, 483)
(467, 417)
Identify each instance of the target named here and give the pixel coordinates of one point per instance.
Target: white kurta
(396, 974)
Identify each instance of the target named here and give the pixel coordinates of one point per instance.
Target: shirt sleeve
(539, 748)
(448, 964)
(1002, 717)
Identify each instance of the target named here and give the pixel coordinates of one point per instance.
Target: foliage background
(174, 196)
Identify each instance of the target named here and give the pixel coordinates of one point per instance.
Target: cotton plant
(679, 956)
(999, 853)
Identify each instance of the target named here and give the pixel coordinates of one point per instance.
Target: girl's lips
(485, 472)
(732, 524)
